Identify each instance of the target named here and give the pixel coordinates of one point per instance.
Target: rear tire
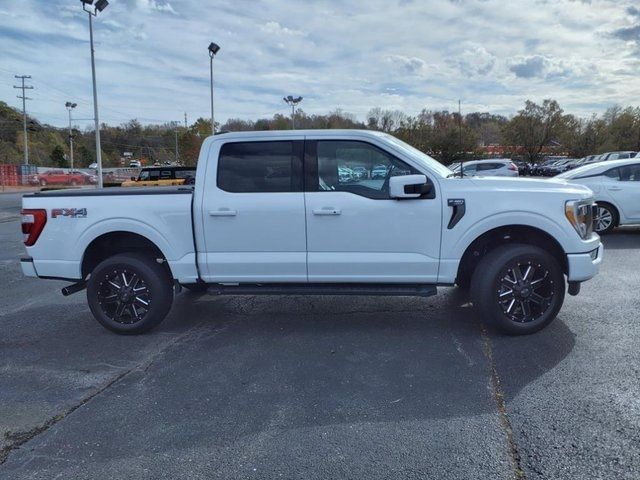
(518, 288)
(129, 293)
(43, 183)
(606, 219)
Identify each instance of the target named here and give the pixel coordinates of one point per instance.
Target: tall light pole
(70, 106)
(213, 49)
(292, 101)
(99, 6)
(24, 113)
(175, 131)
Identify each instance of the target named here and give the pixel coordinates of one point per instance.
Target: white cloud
(152, 61)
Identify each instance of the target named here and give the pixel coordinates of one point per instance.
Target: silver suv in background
(496, 167)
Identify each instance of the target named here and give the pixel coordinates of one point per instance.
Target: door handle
(327, 211)
(614, 189)
(223, 213)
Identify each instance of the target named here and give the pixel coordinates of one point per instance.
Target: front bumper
(584, 266)
(28, 269)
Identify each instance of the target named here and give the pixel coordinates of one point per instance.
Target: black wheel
(129, 293)
(606, 219)
(43, 182)
(195, 287)
(74, 183)
(518, 288)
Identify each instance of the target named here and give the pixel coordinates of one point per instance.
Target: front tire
(129, 293)
(518, 288)
(606, 219)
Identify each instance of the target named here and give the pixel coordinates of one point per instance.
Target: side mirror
(408, 186)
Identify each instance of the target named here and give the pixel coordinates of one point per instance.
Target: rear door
(355, 231)
(253, 213)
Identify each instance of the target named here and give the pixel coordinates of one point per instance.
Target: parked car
(60, 177)
(361, 172)
(162, 176)
(616, 186)
(135, 164)
(379, 171)
(499, 167)
(559, 167)
(513, 242)
(618, 155)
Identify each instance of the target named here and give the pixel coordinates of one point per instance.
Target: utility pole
(24, 113)
(213, 49)
(185, 120)
(70, 106)
(460, 138)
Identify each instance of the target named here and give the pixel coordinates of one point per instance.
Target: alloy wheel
(603, 219)
(124, 296)
(525, 291)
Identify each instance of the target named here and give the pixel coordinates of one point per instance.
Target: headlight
(580, 215)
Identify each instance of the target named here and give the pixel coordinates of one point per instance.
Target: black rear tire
(129, 293)
(518, 288)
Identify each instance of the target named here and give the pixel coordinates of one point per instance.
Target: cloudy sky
(153, 65)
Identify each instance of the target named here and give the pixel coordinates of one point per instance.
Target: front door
(355, 231)
(623, 184)
(253, 213)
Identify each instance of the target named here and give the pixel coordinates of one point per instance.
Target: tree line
(533, 132)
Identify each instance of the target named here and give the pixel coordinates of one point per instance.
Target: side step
(382, 289)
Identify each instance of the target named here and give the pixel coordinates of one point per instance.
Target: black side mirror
(418, 188)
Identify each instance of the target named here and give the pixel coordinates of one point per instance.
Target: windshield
(579, 171)
(419, 156)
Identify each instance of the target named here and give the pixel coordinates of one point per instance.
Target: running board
(382, 289)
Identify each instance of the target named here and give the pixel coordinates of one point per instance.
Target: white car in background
(616, 187)
(497, 167)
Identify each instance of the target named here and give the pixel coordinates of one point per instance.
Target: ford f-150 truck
(270, 213)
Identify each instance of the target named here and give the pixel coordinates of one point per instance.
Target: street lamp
(70, 106)
(213, 49)
(98, 7)
(293, 101)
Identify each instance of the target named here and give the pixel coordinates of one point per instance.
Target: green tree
(534, 127)
(57, 157)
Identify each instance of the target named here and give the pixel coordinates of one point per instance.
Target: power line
(24, 113)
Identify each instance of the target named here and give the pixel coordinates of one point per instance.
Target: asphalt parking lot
(319, 387)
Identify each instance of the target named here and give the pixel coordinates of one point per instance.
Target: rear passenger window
(613, 173)
(254, 167)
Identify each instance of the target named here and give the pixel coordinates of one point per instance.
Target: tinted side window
(613, 173)
(489, 166)
(630, 173)
(260, 167)
(357, 167)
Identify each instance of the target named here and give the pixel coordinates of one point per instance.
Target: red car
(60, 177)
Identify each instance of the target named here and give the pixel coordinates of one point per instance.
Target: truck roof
(298, 133)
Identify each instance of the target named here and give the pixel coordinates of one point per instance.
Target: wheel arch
(503, 235)
(121, 241)
(616, 210)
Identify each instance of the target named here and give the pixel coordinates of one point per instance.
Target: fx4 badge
(69, 212)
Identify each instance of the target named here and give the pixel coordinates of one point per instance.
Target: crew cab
(270, 213)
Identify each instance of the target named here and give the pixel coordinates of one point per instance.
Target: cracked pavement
(320, 387)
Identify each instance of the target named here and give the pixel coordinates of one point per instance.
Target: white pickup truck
(301, 212)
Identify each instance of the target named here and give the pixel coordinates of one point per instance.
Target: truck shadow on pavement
(223, 372)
